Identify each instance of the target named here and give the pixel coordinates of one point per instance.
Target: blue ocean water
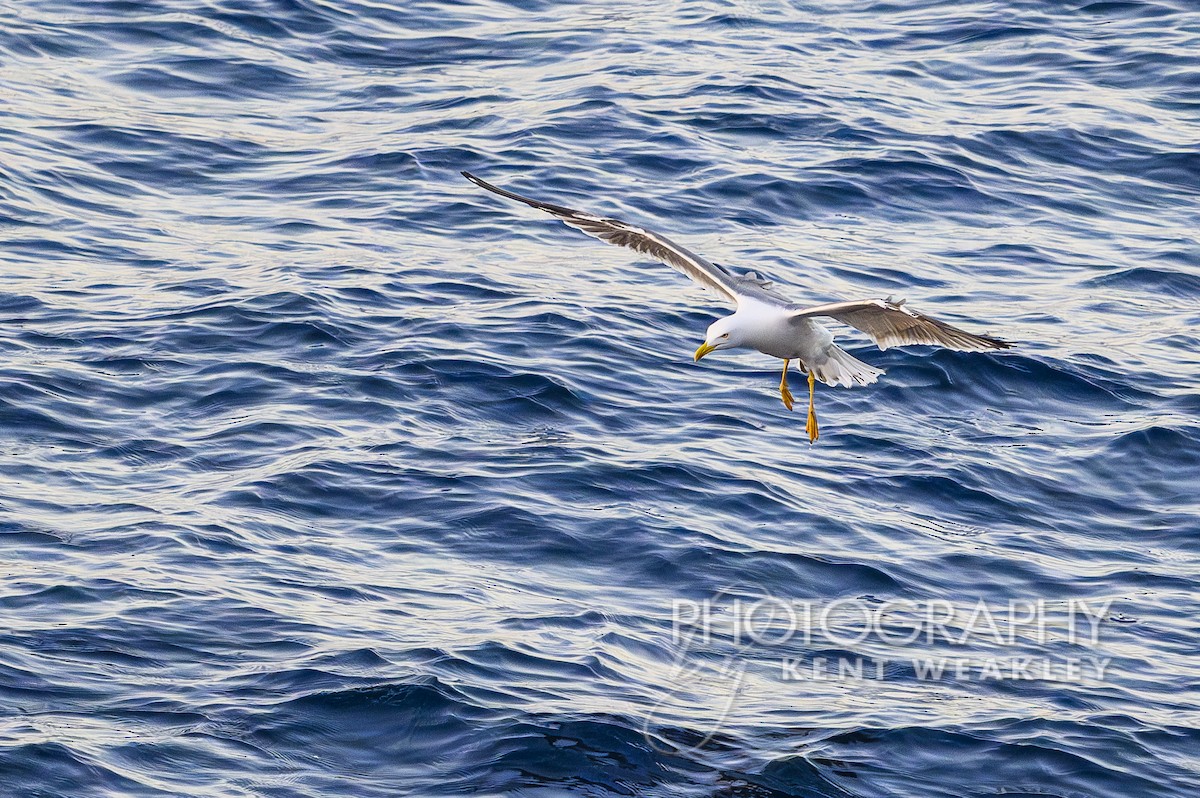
(328, 474)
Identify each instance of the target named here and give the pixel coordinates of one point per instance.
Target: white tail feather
(841, 368)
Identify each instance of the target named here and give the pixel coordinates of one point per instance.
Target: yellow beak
(704, 349)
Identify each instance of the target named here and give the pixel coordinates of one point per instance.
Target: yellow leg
(784, 393)
(811, 426)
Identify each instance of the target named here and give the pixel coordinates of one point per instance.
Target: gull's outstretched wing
(639, 239)
(888, 323)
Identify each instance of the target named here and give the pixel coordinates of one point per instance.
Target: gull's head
(722, 334)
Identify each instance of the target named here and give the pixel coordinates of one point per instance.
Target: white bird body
(764, 328)
(771, 330)
(767, 322)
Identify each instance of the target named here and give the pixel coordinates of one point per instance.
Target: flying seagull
(769, 323)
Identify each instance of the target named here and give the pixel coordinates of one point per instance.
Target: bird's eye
(726, 335)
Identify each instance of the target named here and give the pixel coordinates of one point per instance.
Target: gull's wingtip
(479, 181)
(998, 343)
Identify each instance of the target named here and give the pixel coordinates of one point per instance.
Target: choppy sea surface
(327, 474)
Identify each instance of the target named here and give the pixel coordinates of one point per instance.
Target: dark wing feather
(638, 239)
(889, 323)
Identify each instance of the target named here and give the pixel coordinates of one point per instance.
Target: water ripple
(326, 473)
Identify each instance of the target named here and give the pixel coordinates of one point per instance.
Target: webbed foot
(811, 425)
(784, 393)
